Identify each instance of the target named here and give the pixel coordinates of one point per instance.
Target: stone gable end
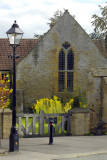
(37, 73)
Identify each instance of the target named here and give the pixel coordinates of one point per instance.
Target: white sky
(33, 15)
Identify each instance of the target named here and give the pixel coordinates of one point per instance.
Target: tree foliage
(96, 35)
(4, 92)
(56, 16)
(100, 22)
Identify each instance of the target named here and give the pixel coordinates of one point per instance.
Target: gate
(32, 125)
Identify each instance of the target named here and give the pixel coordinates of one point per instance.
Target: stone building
(65, 59)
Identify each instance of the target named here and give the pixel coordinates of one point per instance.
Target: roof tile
(25, 47)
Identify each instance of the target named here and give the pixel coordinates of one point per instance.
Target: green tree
(96, 35)
(100, 22)
(56, 16)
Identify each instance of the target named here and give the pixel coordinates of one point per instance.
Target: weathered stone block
(80, 121)
(5, 122)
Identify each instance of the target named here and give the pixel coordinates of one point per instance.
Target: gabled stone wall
(37, 73)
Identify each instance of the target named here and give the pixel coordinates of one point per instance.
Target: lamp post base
(14, 141)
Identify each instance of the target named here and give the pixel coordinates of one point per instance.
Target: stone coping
(6, 110)
(80, 110)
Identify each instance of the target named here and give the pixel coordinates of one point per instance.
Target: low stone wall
(5, 122)
(80, 121)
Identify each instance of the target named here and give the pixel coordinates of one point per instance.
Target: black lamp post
(14, 34)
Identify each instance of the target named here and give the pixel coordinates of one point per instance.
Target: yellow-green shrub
(48, 105)
(62, 104)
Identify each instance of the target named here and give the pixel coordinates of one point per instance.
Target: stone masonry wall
(5, 122)
(104, 105)
(80, 121)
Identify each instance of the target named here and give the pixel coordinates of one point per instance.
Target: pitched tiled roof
(25, 47)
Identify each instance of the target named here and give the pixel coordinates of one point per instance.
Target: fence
(32, 125)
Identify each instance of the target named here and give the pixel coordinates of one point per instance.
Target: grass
(23, 122)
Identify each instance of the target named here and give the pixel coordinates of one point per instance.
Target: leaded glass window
(65, 68)
(61, 81)
(70, 81)
(66, 45)
(61, 60)
(70, 60)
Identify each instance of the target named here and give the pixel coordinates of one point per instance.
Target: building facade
(65, 59)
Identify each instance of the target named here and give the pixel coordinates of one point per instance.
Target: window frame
(66, 71)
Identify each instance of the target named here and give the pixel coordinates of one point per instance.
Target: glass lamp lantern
(14, 34)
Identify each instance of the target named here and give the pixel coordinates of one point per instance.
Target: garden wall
(80, 121)
(75, 122)
(5, 122)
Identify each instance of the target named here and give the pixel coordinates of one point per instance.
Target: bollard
(51, 132)
(51, 121)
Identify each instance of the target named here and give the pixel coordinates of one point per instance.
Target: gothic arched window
(66, 68)
(66, 45)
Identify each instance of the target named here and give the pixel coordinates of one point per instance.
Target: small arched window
(61, 60)
(66, 45)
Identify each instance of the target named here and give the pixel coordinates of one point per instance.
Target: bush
(48, 105)
(59, 104)
(77, 99)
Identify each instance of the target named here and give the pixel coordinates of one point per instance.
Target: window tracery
(66, 69)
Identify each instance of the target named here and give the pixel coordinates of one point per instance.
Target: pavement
(63, 148)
